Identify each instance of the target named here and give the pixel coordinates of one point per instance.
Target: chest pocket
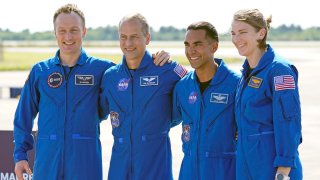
(259, 109)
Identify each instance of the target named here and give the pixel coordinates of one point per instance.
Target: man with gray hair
(137, 96)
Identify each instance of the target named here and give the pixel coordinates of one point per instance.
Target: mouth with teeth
(240, 47)
(68, 43)
(130, 49)
(193, 59)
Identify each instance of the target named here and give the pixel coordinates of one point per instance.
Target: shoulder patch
(180, 70)
(284, 82)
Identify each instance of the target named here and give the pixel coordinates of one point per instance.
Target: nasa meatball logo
(123, 84)
(193, 96)
(55, 80)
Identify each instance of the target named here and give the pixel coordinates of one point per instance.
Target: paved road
(310, 98)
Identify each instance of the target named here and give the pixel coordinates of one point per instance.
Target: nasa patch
(55, 80)
(193, 96)
(114, 117)
(149, 81)
(186, 133)
(123, 84)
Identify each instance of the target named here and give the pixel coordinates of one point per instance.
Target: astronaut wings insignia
(149, 81)
(219, 98)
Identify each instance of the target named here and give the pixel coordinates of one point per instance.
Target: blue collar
(265, 60)
(145, 62)
(81, 61)
(219, 76)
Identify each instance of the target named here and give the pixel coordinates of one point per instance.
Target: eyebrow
(129, 34)
(197, 42)
(241, 30)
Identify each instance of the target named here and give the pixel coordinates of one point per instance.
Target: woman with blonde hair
(268, 112)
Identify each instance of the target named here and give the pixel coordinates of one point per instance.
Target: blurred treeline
(169, 33)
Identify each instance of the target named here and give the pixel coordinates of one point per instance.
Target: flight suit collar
(81, 61)
(219, 76)
(265, 60)
(145, 62)
(221, 73)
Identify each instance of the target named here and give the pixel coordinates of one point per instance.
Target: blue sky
(36, 15)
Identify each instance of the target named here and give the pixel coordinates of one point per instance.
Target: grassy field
(19, 59)
(14, 61)
(25, 60)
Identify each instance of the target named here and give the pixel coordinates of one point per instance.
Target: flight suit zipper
(66, 75)
(132, 116)
(243, 84)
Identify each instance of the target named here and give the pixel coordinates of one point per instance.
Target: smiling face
(246, 38)
(133, 41)
(69, 32)
(199, 49)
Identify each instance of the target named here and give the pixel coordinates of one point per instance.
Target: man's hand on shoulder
(161, 57)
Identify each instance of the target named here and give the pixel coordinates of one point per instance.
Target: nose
(127, 42)
(68, 35)
(235, 38)
(190, 49)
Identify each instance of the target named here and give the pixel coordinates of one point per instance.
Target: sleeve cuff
(19, 157)
(285, 162)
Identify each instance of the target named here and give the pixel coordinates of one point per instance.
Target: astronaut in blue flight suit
(64, 92)
(137, 96)
(268, 110)
(204, 101)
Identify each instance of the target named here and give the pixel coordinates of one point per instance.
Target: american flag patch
(284, 82)
(180, 70)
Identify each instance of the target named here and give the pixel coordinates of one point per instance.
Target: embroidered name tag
(149, 81)
(219, 98)
(84, 79)
(255, 82)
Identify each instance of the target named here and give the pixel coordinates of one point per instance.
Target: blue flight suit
(67, 143)
(268, 116)
(139, 104)
(208, 125)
